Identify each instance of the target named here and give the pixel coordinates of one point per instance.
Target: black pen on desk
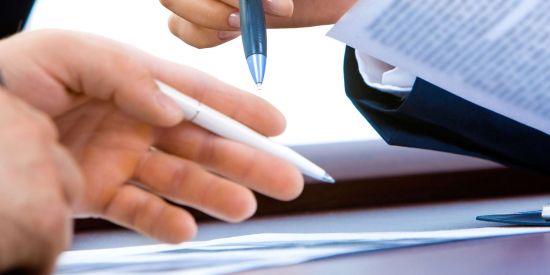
(254, 37)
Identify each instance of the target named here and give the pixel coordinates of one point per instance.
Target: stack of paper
(257, 251)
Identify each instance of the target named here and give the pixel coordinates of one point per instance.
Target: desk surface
(420, 217)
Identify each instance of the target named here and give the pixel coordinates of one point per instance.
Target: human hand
(208, 23)
(39, 180)
(112, 142)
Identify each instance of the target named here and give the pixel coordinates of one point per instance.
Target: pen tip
(256, 65)
(328, 179)
(259, 85)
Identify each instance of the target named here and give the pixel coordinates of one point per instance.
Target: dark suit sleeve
(13, 15)
(432, 118)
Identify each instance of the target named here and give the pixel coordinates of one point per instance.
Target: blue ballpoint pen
(254, 37)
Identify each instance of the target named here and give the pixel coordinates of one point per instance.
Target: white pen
(224, 126)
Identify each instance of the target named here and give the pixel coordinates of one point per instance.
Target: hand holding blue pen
(254, 37)
(209, 23)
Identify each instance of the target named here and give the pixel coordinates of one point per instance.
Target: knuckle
(206, 149)
(253, 157)
(125, 64)
(122, 62)
(179, 179)
(129, 65)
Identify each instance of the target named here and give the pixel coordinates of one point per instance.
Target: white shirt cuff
(383, 76)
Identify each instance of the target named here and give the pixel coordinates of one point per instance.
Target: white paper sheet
(493, 53)
(241, 253)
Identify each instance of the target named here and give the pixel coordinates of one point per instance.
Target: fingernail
(170, 107)
(228, 35)
(279, 7)
(234, 20)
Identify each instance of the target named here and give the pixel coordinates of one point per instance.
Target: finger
(214, 24)
(222, 15)
(150, 215)
(279, 8)
(202, 37)
(197, 36)
(131, 86)
(210, 14)
(69, 172)
(186, 183)
(307, 13)
(109, 71)
(252, 168)
(247, 108)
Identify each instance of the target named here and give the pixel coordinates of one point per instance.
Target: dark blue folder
(432, 118)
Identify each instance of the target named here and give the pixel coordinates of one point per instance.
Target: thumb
(104, 69)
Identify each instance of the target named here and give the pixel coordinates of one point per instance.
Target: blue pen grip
(253, 28)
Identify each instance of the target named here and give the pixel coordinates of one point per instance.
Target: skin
(134, 149)
(208, 23)
(103, 142)
(39, 183)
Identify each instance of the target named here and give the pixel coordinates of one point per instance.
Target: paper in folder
(495, 54)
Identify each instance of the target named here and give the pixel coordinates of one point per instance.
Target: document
(494, 53)
(247, 252)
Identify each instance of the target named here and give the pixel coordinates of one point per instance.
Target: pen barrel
(224, 126)
(253, 29)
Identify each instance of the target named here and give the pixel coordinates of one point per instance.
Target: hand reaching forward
(132, 146)
(208, 23)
